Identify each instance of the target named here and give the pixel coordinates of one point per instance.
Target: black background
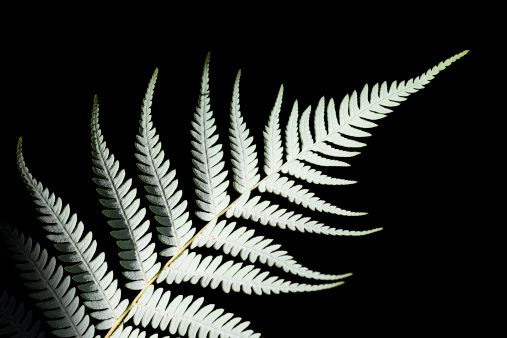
(407, 278)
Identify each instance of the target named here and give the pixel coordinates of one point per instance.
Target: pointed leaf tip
(19, 145)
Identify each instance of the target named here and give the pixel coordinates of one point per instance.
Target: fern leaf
(304, 129)
(242, 241)
(210, 176)
(314, 158)
(320, 124)
(250, 208)
(273, 151)
(186, 317)
(243, 151)
(292, 134)
(53, 293)
(326, 149)
(355, 114)
(210, 271)
(99, 288)
(133, 236)
(177, 230)
(13, 320)
(304, 172)
(286, 187)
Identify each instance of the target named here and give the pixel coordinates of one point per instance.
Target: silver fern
(14, 322)
(306, 145)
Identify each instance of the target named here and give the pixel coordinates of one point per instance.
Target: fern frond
(286, 187)
(250, 208)
(133, 236)
(325, 141)
(243, 151)
(242, 241)
(355, 114)
(304, 172)
(273, 151)
(210, 271)
(291, 134)
(169, 211)
(15, 322)
(186, 317)
(53, 293)
(210, 175)
(99, 288)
